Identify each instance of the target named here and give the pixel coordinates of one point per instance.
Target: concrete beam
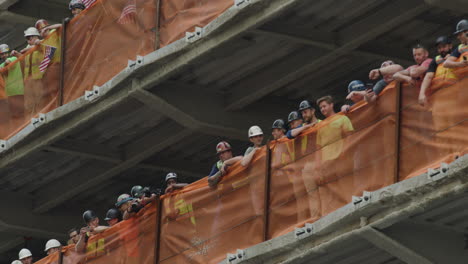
(17, 219)
(5, 4)
(11, 17)
(397, 13)
(97, 153)
(8, 242)
(138, 152)
(331, 46)
(187, 120)
(459, 6)
(392, 246)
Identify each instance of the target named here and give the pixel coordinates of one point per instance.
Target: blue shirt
(289, 135)
(216, 167)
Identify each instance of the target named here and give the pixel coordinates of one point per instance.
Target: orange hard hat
(41, 23)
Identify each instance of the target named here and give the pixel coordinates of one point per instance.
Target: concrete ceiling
(254, 69)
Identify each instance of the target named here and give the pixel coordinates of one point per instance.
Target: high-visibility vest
(32, 61)
(462, 72)
(13, 78)
(54, 40)
(443, 76)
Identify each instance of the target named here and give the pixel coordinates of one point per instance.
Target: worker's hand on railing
(422, 99)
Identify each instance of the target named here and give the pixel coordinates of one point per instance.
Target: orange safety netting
(199, 224)
(26, 90)
(128, 242)
(310, 177)
(99, 43)
(51, 259)
(178, 17)
(102, 39)
(435, 133)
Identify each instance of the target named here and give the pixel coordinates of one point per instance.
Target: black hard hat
(279, 123)
(112, 214)
(305, 105)
(89, 216)
(443, 40)
(461, 26)
(137, 191)
(294, 115)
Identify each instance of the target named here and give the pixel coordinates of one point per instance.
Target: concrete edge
(385, 207)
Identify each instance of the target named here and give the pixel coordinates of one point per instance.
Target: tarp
(27, 91)
(178, 17)
(99, 43)
(102, 39)
(128, 242)
(311, 176)
(199, 224)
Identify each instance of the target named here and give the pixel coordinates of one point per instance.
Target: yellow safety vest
(443, 76)
(32, 61)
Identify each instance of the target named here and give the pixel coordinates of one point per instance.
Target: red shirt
(425, 64)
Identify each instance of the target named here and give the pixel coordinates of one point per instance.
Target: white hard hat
(31, 31)
(24, 253)
(16, 262)
(4, 48)
(171, 175)
(53, 243)
(255, 131)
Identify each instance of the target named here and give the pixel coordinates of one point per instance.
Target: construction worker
(45, 29)
(92, 227)
(330, 137)
(124, 204)
(16, 262)
(256, 137)
(5, 55)
(224, 152)
(32, 36)
(356, 93)
(113, 217)
(415, 74)
(172, 184)
(278, 129)
(307, 111)
(294, 120)
(52, 246)
(386, 71)
(25, 256)
(444, 47)
(74, 237)
(76, 6)
(459, 56)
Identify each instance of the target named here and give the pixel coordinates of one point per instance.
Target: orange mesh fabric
(203, 224)
(102, 39)
(178, 17)
(435, 133)
(51, 259)
(313, 175)
(26, 90)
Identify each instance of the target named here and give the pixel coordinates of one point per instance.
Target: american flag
(128, 13)
(48, 55)
(88, 3)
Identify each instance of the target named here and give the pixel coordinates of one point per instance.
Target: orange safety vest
(443, 76)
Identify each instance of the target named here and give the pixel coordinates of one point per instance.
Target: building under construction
(130, 90)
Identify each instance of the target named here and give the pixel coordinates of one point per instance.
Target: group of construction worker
(127, 206)
(419, 75)
(424, 74)
(34, 35)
